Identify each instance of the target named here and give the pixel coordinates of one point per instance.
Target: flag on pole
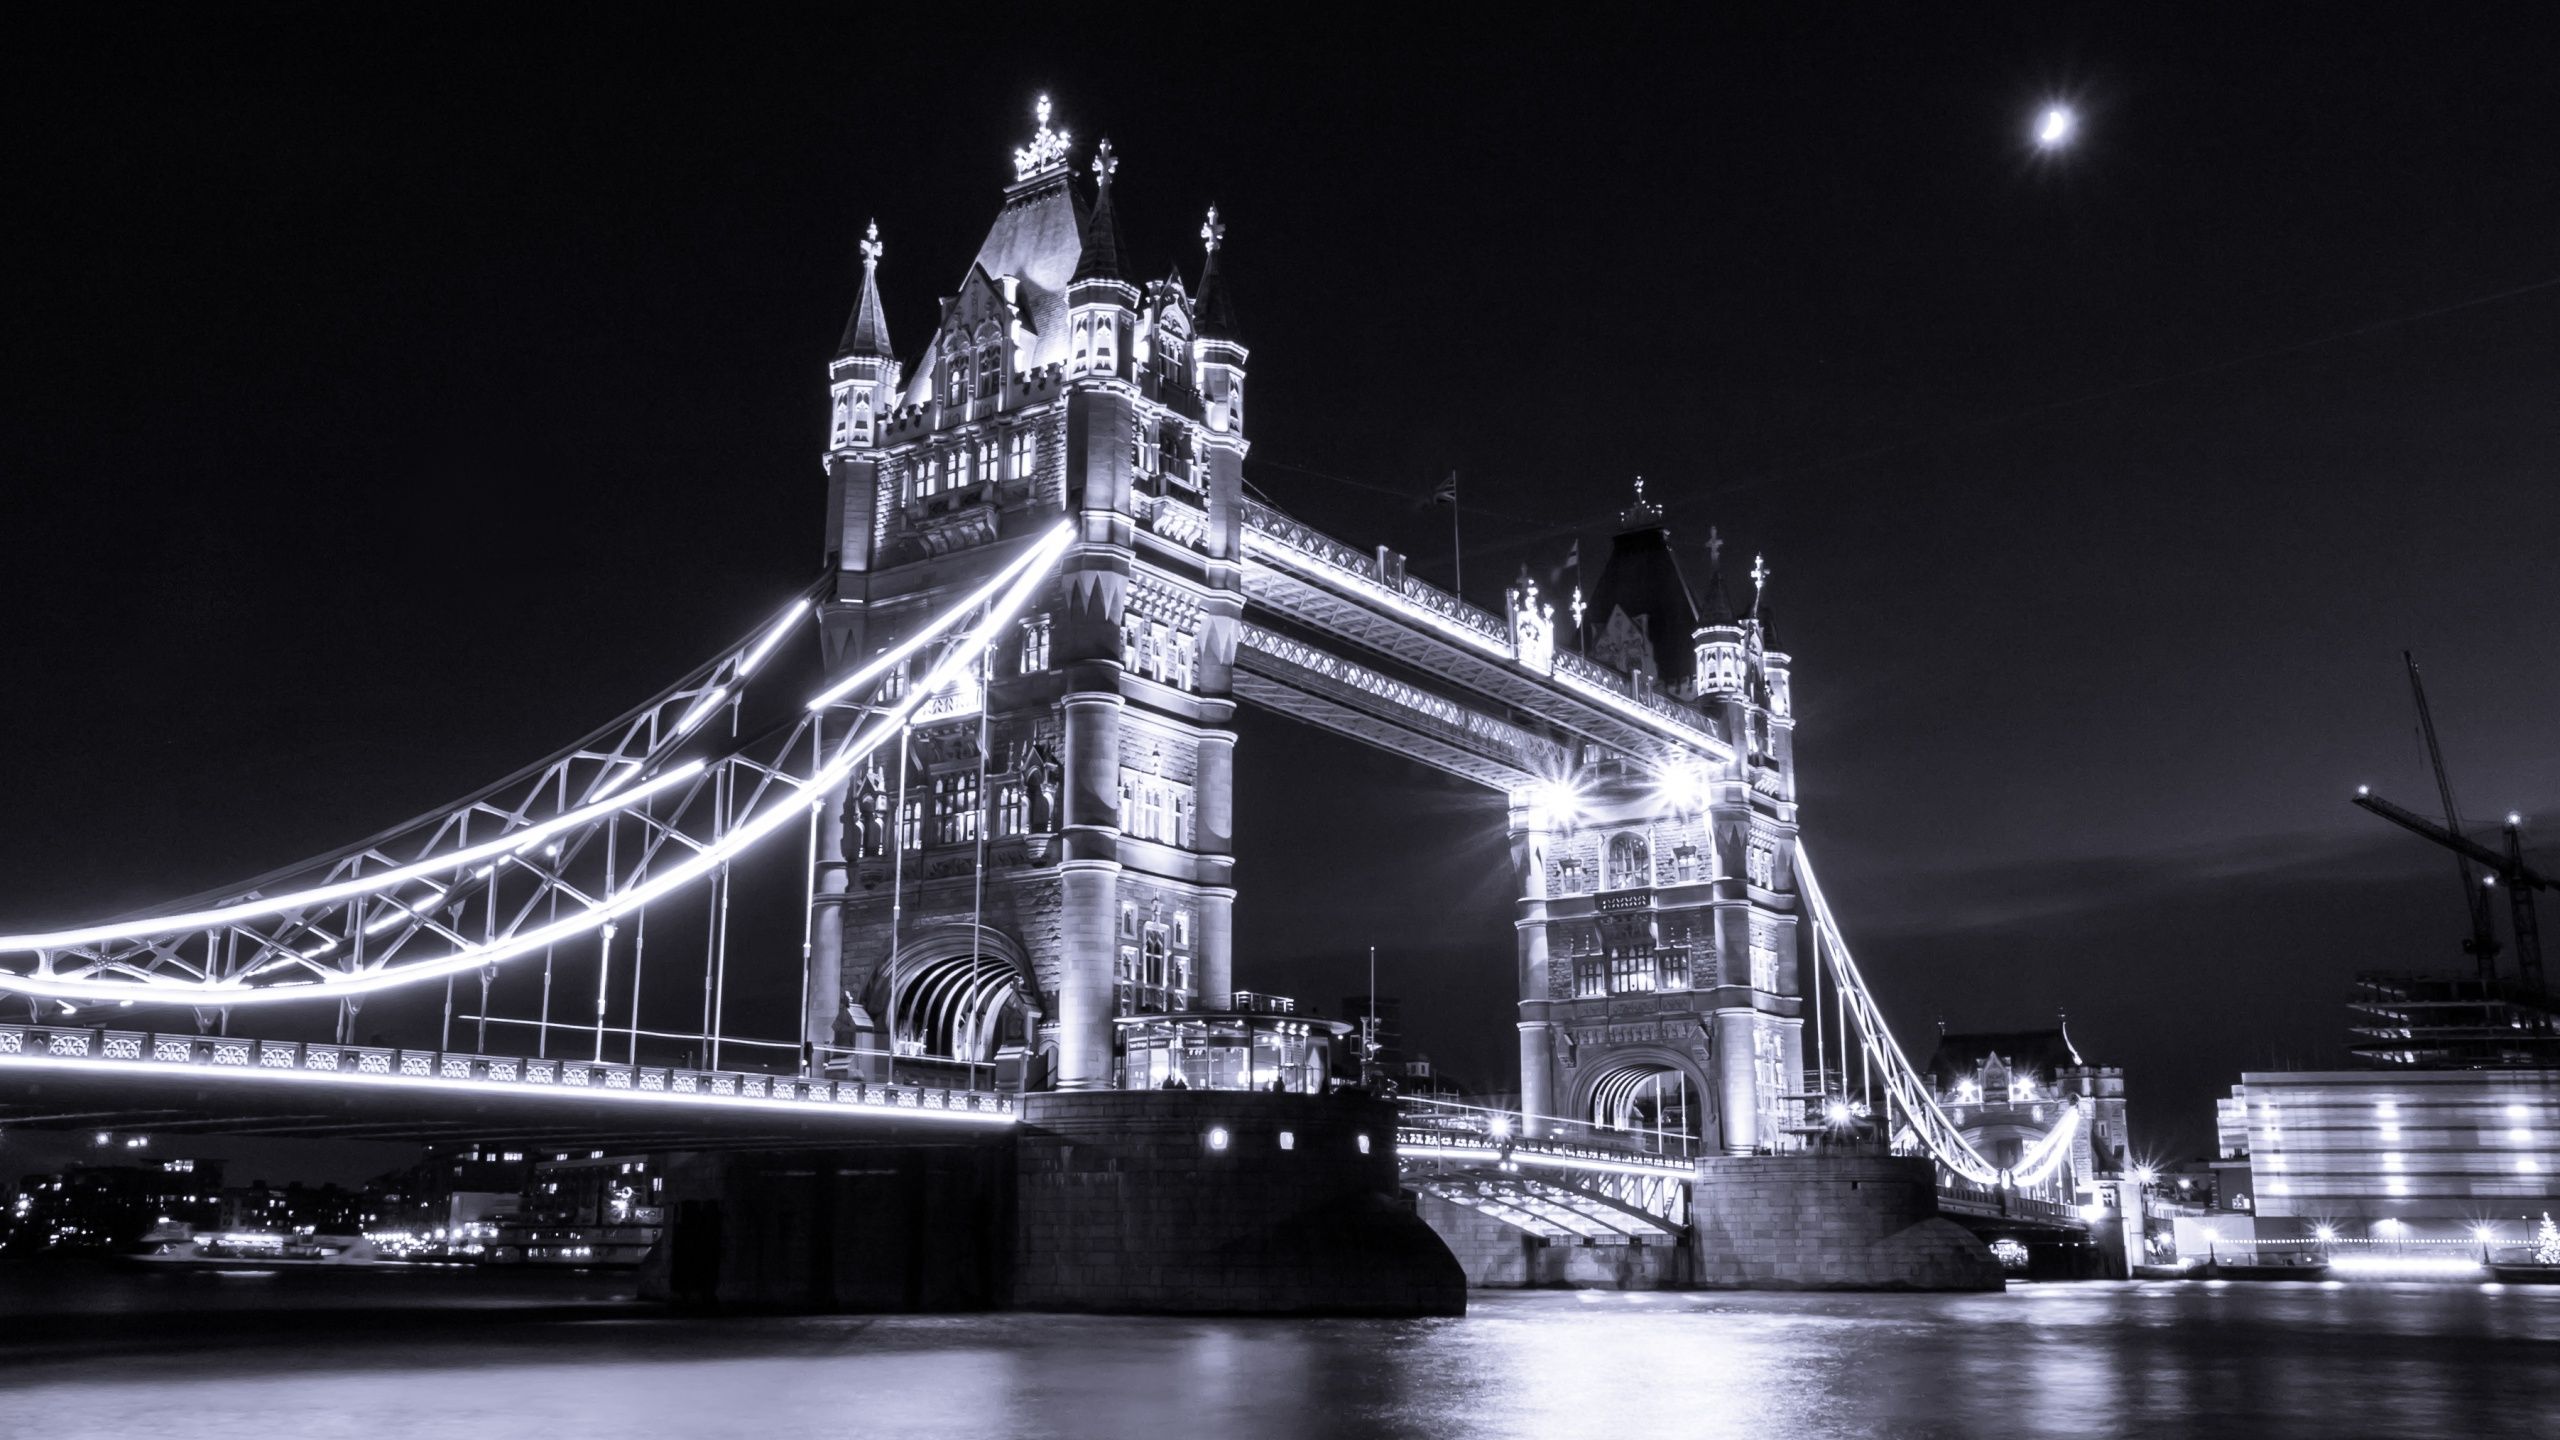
(1447, 494)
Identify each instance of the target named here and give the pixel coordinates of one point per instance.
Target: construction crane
(2506, 869)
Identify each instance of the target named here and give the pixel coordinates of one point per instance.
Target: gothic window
(1152, 808)
(1128, 918)
(1148, 453)
(1629, 867)
(1103, 331)
(861, 434)
(1155, 955)
(1764, 965)
(1630, 971)
(844, 415)
(990, 368)
(955, 808)
(1590, 977)
(1023, 450)
(955, 379)
(1083, 344)
(1672, 969)
(1013, 808)
(911, 823)
(986, 467)
(1182, 929)
(1035, 644)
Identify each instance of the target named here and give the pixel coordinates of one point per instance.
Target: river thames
(400, 1353)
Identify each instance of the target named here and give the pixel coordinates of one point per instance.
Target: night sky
(392, 396)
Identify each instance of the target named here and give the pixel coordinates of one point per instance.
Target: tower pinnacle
(1214, 312)
(1047, 150)
(1102, 259)
(867, 333)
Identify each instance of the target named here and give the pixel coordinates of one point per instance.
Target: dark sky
(395, 394)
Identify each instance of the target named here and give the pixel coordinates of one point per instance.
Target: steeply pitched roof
(1037, 240)
(1642, 580)
(866, 331)
(1103, 259)
(1214, 314)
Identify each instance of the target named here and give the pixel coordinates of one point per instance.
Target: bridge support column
(1737, 1094)
(1089, 882)
(1539, 1093)
(1215, 834)
(827, 890)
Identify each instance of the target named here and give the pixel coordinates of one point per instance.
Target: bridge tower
(1053, 850)
(1657, 921)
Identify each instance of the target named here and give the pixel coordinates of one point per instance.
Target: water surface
(393, 1353)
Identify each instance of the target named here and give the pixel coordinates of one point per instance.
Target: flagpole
(1457, 551)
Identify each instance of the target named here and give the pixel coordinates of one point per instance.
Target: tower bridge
(1006, 770)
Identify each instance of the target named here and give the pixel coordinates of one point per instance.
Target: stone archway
(1655, 1096)
(959, 992)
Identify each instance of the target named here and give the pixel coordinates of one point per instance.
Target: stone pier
(1830, 1222)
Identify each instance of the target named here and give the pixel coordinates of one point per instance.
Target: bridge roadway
(64, 1077)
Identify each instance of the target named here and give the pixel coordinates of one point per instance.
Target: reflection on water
(425, 1353)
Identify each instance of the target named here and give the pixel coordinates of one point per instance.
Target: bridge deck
(55, 1076)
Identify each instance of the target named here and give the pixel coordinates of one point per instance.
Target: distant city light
(2325, 1234)
(1217, 1137)
(2055, 127)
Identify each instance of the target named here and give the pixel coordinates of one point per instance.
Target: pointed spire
(1102, 258)
(1216, 313)
(867, 332)
(1716, 606)
(1760, 573)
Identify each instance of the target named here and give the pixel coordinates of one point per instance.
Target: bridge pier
(1830, 1222)
(1130, 1202)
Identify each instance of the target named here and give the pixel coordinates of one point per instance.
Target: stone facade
(1830, 1222)
(1221, 1202)
(1052, 849)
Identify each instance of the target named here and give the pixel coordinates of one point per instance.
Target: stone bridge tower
(1054, 848)
(1657, 923)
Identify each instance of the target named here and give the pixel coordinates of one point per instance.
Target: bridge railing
(373, 1064)
(1451, 1120)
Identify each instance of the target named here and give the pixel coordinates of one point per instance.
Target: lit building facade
(1051, 849)
(2434, 1149)
(1658, 921)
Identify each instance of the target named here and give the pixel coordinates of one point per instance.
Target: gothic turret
(864, 373)
(1221, 354)
(1102, 306)
(1719, 643)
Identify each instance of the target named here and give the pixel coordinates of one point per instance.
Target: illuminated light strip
(709, 702)
(1293, 559)
(2049, 1152)
(510, 843)
(1274, 550)
(413, 1084)
(1049, 545)
(1946, 1141)
(1524, 1156)
(782, 812)
(772, 637)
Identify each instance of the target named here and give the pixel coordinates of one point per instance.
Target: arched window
(1630, 862)
(990, 366)
(955, 379)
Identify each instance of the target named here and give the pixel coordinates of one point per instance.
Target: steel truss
(664, 795)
